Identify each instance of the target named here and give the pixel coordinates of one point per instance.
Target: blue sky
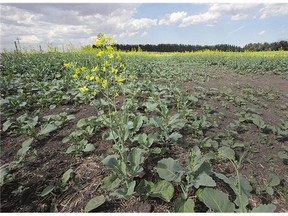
(143, 23)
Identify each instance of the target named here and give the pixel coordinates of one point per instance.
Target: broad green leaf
(47, 190)
(6, 125)
(270, 191)
(110, 182)
(182, 205)
(155, 150)
(22, 151)
(144, 188)
(66, 176)
(170, 170)
(131, 188)
(204, 180)
(175, 136)
(245, 186)
(27, 142)
(95, 203)
(71, 149)
(226, 152)
(89, 148)
(136, 157)
(264, 208)
(151, 106)
(273, 180)
(111, 162)
(137, 123)
(163, 190)
(215, 200)
(283, 155)
(47, 129)
(82, 122)
(244, 199)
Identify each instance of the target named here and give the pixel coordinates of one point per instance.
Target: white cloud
(203, 18)
(63, 23)
(239, 17)
(274, 10)
(29, 39)
(262, 32)
(173, 18)
(144, 34)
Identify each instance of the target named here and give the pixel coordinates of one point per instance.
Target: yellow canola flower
(74, 76)
(84, 89)
(94, 93)
(97, 79)
(122, 65)
(106, 63)
(77, 70)
(83, 68)
(99, 54)
(104, 83)
(119, 79)
(111, 55)
(131, 76)
(67, 65)
(94, 69)
(114, 70)
(104, 69)
(91, 78)
(109, 48)
(87, 77)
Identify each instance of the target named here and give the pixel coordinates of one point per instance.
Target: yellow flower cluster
(109, 71)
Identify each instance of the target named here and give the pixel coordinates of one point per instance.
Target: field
(107, 131)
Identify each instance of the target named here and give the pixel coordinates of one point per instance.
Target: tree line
(281, 45)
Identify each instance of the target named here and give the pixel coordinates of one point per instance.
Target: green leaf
(111, 162)
(131, 188)
(95, 203)
(273, 180)
(66, 176)
(110, 182)
(155, 150)
(175, 136)
(47, 190)
(82, 122)
(264, 208)
(226, 152)
(89, 148)
(6, 125)
(144, 188)
(163, 190)
(182, 205)
(25, 146)
(27, 142)
(244, 200)
(283, 155)
(270, 191)
(137, 123)
(204, 180)
(71, 149)
(215, 199)
(47, 129)
(170, 170)
(151, 106)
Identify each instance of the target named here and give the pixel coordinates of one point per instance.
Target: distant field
(144, 132)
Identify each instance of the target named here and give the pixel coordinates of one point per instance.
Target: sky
(194, 23)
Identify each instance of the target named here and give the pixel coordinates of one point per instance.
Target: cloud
(234, 11)
(262, 32)
(173, 18)
(274, 10)
(208, 18)
(64, 23)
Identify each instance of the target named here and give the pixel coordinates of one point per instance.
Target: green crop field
(101, 130)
